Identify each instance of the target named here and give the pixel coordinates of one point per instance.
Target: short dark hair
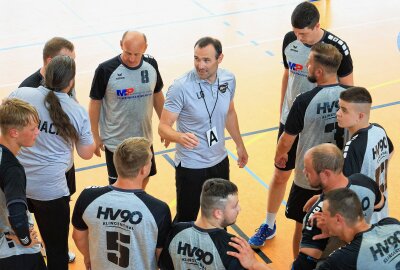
(214, 194)
(345, 202)
(327, 156)
(328, 56)
(305, 15)
(205, 41)
(356, 94)
(53, 47)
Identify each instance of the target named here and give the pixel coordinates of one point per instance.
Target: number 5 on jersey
(119, 254)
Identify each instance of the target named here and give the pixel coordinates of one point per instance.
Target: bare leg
(297, 239)
(277, 190)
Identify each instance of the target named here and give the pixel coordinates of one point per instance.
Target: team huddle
(338, 199)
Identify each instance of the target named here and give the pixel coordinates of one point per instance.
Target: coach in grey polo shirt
(201, 102)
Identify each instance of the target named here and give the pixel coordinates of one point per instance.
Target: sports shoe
(262, 233)
(71, 257)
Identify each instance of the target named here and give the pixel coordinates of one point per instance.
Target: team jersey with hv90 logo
(191, 247)
(376, 248)
(127, 99)
(368, 193)
(313, 118)
(125, 227)
(295, 56)
(368, 153)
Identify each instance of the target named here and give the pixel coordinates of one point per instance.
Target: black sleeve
(80, 206)
(165, 261)
(159, 83)
(221, 240)
(340, 259)
(19, 222)
(310, 229)
(295, 120)
(391, 147)
(353, 158)
(346, 66)
(289, 37)
(87, 196)
(14, 184)
(99, 83)
(164, 228)
(388, 221)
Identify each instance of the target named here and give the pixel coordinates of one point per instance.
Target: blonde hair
(16, 113)
(131, 156)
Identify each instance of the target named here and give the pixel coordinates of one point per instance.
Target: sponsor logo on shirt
(125, 92)
(388, 248)
(129, 93)
(109, 213)
(327, 107)
(295, 67)
(194, 255)
(119, 76)
(380, 148)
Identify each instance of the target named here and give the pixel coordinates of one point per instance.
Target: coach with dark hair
(201, 102)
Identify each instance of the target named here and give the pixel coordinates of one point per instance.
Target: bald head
(134, 35)
(133, 45)
(326, 156)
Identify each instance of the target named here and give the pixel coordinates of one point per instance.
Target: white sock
(270, 220)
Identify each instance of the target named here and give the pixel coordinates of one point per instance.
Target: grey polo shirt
(185, 98)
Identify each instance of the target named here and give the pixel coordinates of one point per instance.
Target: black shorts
(297, 199)
(189, 183)
(290, 164)
(24, 261)
(112, 172)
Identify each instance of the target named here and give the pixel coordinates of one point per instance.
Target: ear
(361, 116)
(325, 174)
(13, 133)
(120, 44)
(339, 219)
(142, 171)
(320, 72)
(220, 57)
(218, 214)
(47, 61)
(317, 26)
